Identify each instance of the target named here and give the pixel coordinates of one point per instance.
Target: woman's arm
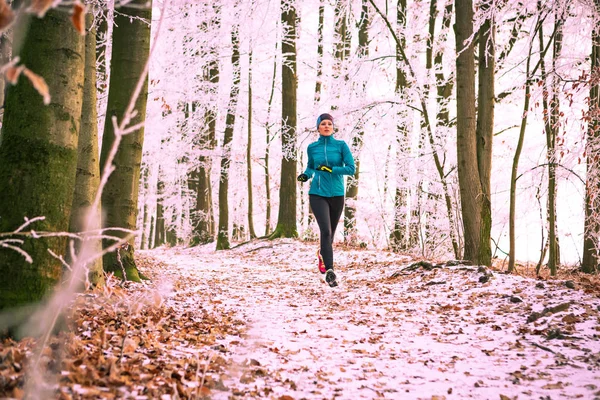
(309, 171)
(347, 160)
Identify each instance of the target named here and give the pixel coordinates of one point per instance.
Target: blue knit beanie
(323, 117)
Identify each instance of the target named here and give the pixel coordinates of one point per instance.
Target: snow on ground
(387, 333)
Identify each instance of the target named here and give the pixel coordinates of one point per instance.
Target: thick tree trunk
(589, 263)
(466, 141)
(286, 221)
(223, 233)
(88, 167)
(38, 149)
(130, 51)
(485, 131)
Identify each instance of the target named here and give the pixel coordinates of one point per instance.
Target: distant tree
(223, 233)
(286, 222)
(350, 230)
(249, 152)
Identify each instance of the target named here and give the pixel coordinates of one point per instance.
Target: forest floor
(258, 321)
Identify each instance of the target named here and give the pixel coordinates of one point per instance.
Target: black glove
(302, 177)
(325, 168)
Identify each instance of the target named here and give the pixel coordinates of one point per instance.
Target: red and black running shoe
(321, 262)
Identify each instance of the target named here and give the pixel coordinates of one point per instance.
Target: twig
(543, 347)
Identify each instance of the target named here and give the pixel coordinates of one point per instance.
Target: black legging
(327, 212)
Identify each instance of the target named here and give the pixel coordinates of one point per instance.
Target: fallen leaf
(557, 385)
(39, 84)
(78, 17)
(129, 346)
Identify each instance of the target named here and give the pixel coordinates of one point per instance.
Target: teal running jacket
(334, 153)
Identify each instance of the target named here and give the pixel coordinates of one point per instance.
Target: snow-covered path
(439, 334)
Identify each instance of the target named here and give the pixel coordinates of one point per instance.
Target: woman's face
(326, 128)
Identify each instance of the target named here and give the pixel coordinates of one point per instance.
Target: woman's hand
(325, 168)
(302, 178)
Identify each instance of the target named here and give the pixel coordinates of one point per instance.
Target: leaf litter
(258, 321)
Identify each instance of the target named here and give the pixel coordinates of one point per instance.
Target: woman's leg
(320, 208)
(336, 205)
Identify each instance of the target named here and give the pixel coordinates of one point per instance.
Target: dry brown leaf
(129, 346)
(7, 16)
(40, 7)
(78, 17)
(12, 73)
(39, 84)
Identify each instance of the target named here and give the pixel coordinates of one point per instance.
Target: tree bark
(204, 229)
(350, 233)
(249, 152)
(130, 51)
(466, 141)
(223, 233)
(589, 263)
(88, 167)
(38, 149)
(399, 237)
(286, 221)
(267, 148)
(159, 231)
(485, 130)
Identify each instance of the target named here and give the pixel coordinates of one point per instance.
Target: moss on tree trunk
(38, 153)
(131, 48)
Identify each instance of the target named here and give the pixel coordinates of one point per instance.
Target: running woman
(329, 160)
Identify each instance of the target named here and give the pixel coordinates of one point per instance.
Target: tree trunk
(589, 263)
(151, 233)
(551, 113)
(223, 234)
(350, 234)
(399, 237)
(286, 221)
(249, 152)
(130, 51)
(159, 232)
(204, 229)
(466, 140)
(268, 139)
(485, 131)
(319, 83)
(444, 92)
(88, 168)
(38, 149)
(515, 166)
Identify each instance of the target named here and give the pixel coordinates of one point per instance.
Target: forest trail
(258, 322)
(438, 334)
